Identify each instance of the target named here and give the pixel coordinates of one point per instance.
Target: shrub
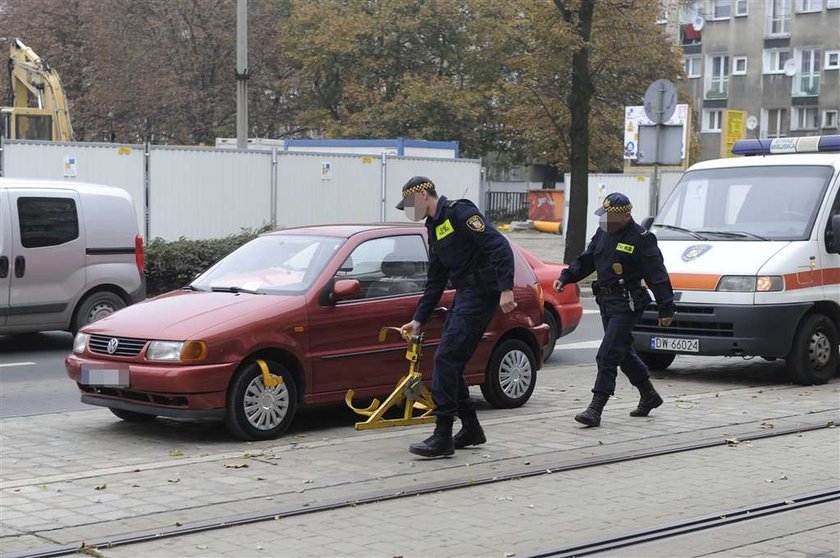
(172, 265)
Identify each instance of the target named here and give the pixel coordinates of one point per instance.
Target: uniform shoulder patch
(476, 223)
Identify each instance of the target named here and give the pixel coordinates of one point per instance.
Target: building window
(739, 66)
(711, 120)
(806, 82)
(717, 77)
(721, 9)
(832, 60)
(773, 123)
(805, 118)
(741, 7)
(774, 60)
(829, 119)
(778, 17)
(805, 6)
(692, 66)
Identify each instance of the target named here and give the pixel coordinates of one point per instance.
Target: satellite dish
(790, 67)
(752, 123)
(698, 23)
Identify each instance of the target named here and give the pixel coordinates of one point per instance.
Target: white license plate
(675, 344)
(110, 377)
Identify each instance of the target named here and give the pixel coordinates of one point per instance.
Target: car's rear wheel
(131, 416)
(511, 375)
(553, 334)
(95, 307)
(813, 358)
(657, 361)
(257, 412)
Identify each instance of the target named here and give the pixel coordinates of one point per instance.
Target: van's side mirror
(833, 240)
(647, 223)
(346, 288)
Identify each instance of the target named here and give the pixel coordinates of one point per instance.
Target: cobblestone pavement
(68, 477)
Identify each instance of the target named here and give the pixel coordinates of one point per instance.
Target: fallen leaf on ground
(733, 441)
(173, 481)
(176, 453)
(101, 487)
(89, 550)
(236, 465)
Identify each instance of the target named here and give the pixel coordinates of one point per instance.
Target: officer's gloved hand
(665, 322)
(559, 285)
(411, 328)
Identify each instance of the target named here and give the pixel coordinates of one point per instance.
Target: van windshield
(275, 264)
(746, 203)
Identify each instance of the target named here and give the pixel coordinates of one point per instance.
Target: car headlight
(177, 351)
(80, 343)
(750, 283)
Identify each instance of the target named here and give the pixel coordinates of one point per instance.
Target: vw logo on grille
(113, 345)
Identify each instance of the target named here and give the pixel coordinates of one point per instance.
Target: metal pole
(273, 186)
(242, 74)
(654, 188)
(382, 185)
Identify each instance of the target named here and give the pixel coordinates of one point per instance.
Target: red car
(562, 311)
(310, 302)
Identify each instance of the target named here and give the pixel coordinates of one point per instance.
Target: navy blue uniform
(478, 261)
(622, 260)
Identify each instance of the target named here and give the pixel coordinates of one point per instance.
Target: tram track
(388, 494)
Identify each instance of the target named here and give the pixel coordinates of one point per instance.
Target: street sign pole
(660, 104)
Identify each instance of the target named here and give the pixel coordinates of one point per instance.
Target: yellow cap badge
(476, 223)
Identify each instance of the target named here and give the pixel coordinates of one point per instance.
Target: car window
(47, 221)
(388, 266)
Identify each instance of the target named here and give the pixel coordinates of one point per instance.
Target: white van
(752, 245)
(69, 254)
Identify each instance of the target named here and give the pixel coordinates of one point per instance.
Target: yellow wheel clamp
(410, 392)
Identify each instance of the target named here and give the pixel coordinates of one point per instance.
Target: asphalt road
(33, 380)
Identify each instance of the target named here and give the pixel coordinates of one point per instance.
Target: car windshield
(277, 264)
(746, 203)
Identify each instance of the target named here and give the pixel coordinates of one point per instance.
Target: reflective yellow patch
(476, 224)
(621, 247)
(444, 229)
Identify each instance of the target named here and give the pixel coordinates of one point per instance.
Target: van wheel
(131, 416)
(657, 361)
(553, 333)
(256, 412)
(814, 357)
(511, 375)
(95, 307)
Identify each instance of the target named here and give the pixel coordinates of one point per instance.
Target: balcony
(718, 89)
(806, 86)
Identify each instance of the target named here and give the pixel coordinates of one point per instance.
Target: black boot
(471, 433)
(439, 444)
(649, 400)
(592, 415)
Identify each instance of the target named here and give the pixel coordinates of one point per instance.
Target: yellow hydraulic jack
(410, 392)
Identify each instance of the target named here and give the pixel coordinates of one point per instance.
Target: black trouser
(617, 349)
(465, 324)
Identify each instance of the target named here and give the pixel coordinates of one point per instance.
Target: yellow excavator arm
(39, 106)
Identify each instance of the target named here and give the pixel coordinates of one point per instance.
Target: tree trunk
(580, 101)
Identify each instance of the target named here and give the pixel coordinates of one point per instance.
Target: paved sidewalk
(73, 476)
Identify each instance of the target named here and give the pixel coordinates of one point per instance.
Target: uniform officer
(622, 253)
(466, 250)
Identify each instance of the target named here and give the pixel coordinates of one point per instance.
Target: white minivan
(70, 254)
(752, 245)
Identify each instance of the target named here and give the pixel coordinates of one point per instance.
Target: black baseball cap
(615, 203)
(415, 184)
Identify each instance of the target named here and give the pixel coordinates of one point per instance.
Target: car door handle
(20, 266)
(4, 267)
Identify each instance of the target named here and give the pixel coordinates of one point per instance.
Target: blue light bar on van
(807, 144)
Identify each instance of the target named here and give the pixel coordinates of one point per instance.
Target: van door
(47, 269)
(5, 255)
(830, 264)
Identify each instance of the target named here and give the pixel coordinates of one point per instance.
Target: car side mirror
(346, 288)
(833, 243)
(647, 223)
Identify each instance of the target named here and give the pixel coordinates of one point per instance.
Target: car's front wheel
(511, 375)
(257, 412)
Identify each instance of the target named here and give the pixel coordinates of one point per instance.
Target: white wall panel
(634, 186)
(453, 178)
(207, 193)
(112, 164)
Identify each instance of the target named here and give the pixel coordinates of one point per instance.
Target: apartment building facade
(777, 60)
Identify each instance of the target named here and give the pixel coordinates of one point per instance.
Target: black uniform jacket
(466, 250)
(630, 254)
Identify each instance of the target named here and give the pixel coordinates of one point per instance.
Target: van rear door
(47, 272)
(5, 255)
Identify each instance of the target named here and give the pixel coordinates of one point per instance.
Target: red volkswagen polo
(310, 302)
